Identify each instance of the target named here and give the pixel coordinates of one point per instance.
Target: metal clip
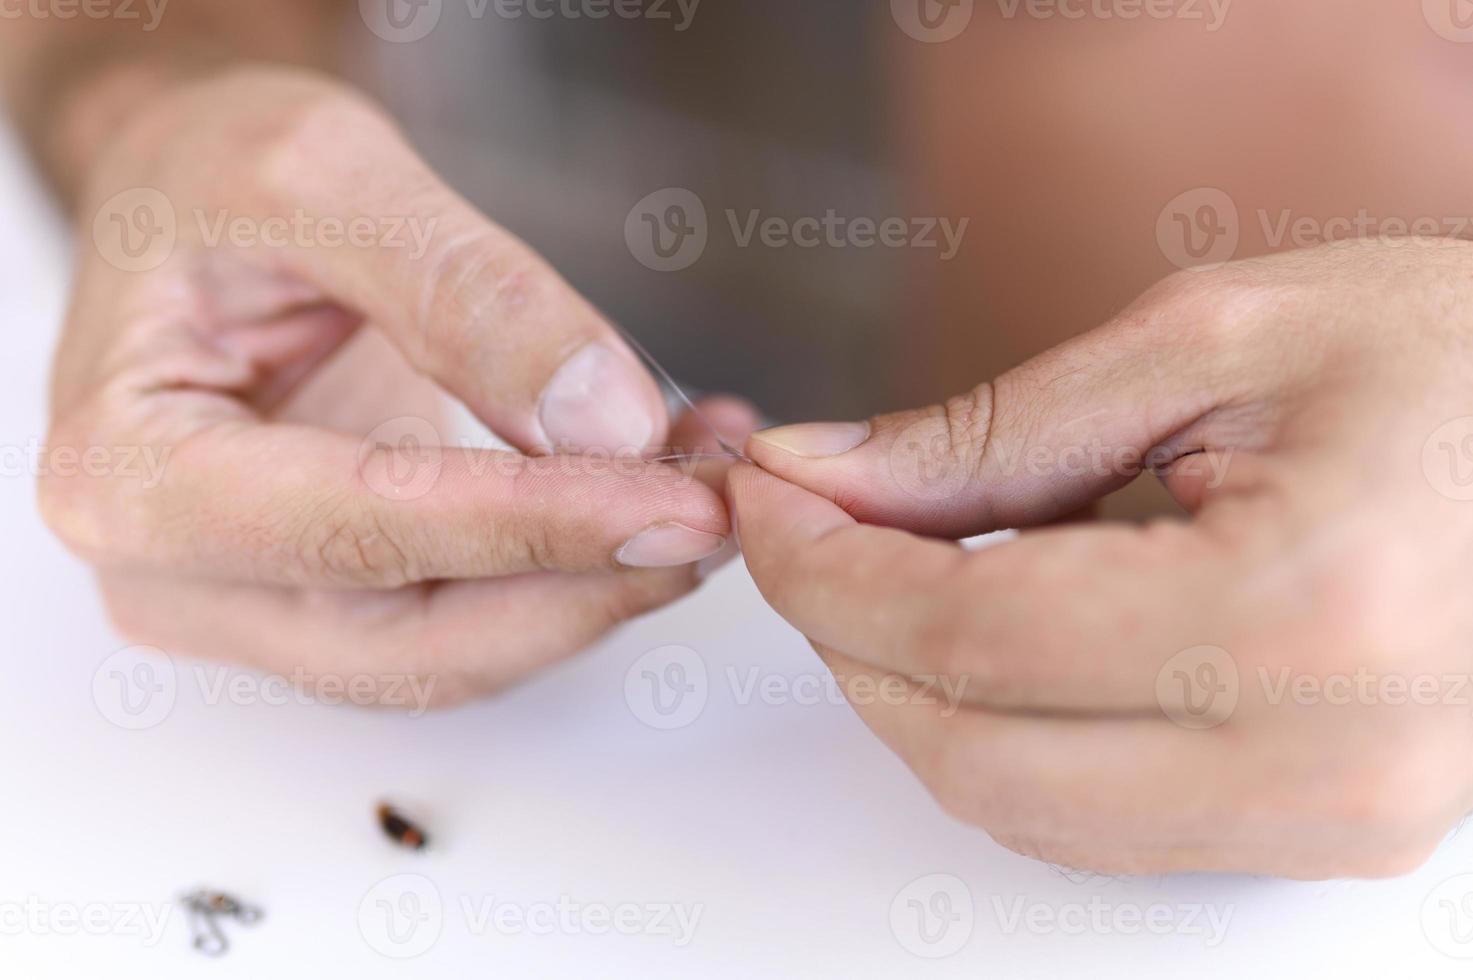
(205, 909)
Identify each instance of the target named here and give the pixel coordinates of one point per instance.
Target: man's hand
(1280, 684)
(233, 236)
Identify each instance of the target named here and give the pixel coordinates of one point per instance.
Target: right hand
(223, 525)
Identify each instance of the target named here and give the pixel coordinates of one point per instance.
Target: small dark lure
(401, 831)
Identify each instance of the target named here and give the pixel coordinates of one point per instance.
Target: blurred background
(1061, 139)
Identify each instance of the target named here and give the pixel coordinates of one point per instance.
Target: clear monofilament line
(731, 451)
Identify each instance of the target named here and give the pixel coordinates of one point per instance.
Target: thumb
(466, 301)
(1036, 444)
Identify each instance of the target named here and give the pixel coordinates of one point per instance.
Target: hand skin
(274, 537)
(1290, 404)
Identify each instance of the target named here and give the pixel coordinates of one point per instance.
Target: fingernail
(596, 400)
(816, 440)
(713, 563)
(667, 546)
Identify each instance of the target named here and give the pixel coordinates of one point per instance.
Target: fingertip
(734, 418)
(601, 399)
(808, 441)
(769, 511)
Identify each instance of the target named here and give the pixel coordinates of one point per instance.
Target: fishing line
(728, 451)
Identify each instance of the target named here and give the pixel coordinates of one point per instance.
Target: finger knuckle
(1377, 860)
(944, 644)
(1354, 613)
(1399, 801)
(952, 774)
(969, 423)
(475, 279)
(71, 514)
(130, 619)
(303, 149)
(954, 799)
(99, 518)
(1216, 306)
(352, 548)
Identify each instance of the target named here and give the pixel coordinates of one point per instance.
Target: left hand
(1279, 685)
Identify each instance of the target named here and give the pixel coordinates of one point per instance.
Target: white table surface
(787, 829)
